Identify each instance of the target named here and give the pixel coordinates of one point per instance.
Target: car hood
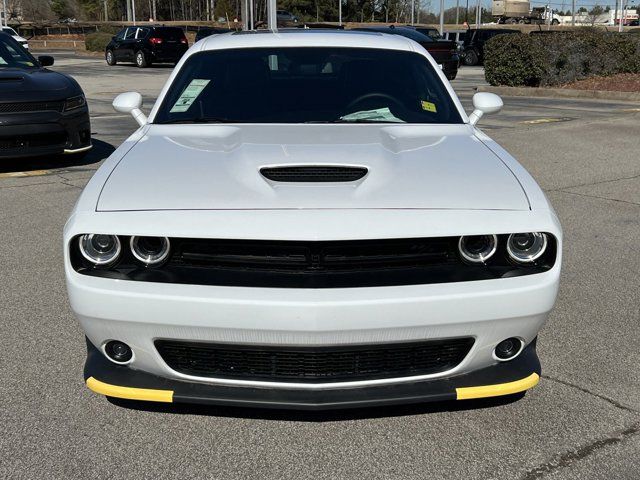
(17, 84)
(200, 167)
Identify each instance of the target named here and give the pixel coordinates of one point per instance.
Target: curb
(560, 93)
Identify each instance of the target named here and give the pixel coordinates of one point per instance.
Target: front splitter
(504, 378)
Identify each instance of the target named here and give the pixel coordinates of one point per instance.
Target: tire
(110, 58)
(141, 59)
(555, 21)
(471, 58)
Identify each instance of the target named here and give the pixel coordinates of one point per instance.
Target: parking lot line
(537, 121)
(32, 173)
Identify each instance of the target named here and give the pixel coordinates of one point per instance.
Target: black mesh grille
(23, 142)
(314, 364)
(314, 257)
(314, 174)
(19, 107)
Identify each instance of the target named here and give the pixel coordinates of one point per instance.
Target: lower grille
(313, 364)
(23, 142)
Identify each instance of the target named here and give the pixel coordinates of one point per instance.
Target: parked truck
(520, 11)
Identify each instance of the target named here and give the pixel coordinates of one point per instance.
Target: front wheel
(555, 21)
(470, 58)
(141, 59)
(111, 58)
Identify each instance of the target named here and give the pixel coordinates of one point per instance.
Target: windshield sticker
(189, 95)
(428, 106)
(377, 115)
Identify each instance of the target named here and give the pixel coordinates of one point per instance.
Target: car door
(140, 35)
(125, 49)
(116, 42)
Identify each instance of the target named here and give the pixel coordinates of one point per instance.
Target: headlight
(100, 249)
(478, 248)
(150, 250)
(526, 247)
(74, 102)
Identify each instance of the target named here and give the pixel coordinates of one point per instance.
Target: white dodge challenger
(310, 220)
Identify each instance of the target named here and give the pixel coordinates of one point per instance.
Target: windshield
(9, 30)
(14, 56)
(307, 85)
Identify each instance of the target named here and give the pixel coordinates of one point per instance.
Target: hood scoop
(313, 173)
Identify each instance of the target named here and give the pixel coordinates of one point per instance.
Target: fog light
(508, 349)
(118, 351)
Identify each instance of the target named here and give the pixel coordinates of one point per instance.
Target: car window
(169, 33)
(307, 85)
(10, 31)
(120, 34)
(12, 56)
(131, 32)
(141, 33)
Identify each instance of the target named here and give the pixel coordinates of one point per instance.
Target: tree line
(388, 11)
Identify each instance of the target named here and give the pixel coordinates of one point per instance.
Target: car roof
(298, 37)
(409, 32)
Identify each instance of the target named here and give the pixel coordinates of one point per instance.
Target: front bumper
(507, 378)
(44, 133)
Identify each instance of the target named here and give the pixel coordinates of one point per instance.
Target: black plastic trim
(310, 264)
(314, 173)
(442, 389)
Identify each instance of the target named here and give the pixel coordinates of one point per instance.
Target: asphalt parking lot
(582, 421)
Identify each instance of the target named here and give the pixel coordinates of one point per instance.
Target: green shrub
(513, 60)
(96, 42)
(559, 57)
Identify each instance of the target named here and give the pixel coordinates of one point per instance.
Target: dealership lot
(582, 421)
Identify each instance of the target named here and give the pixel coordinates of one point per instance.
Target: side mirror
(130, 102)
(45, 60)
(484, 102)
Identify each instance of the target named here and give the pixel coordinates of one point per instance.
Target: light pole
(441, 17)
(272, 17)
(457, 12)
(4, 12)
(413, 10)
(623, 15)
(339, 12)
(133, 11)
(573, 12)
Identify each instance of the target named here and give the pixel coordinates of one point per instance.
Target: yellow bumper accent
(498, 389)
(146, 394)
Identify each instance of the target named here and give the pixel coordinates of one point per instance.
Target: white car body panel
(219, 168)
(203, 181)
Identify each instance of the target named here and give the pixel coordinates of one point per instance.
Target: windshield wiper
(355, 120)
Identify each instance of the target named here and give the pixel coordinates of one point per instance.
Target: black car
(444, 52)
(204, 32)
(474, 40)
(146, 45)
(428, 31)
(285, 18)
(41, 112)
